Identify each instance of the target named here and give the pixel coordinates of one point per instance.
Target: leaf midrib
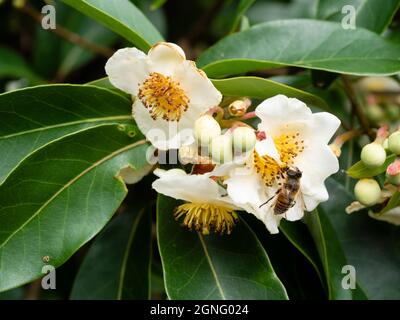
(126, 253)
(66, 124)
(210, 263)
(69, 183)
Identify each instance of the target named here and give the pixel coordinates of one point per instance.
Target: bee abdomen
(281, 206)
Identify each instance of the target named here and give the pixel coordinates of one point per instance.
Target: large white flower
(207, 206)
(171, 93)
(295, 138)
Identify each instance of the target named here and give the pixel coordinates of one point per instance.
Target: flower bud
(367, 192)
(393, 179)
(373, 155)
(393, 111)
(239, 107)
(244, 139)
(375, 113)
(205, 129)
(385, 145)
(221, 148)
(394, 142)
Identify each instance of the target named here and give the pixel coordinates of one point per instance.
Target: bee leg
(224, 195)
(293, 204)
(276, 193)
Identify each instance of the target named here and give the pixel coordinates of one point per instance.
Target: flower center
(289, 147)
(205, 217)
(163, 97)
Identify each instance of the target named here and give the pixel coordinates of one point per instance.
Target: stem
(68, 35)
(357, 107)
(248, 115)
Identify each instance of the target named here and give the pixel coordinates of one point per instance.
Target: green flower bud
(221, 148)
(205, 129)
(393, 111)
(373, 155)
(375, 113)
(244, 139)
(394, 142)
(385, 145)
(367, 192)
(393, 179)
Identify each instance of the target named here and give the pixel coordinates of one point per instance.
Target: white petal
(165, 57)
(131, 175)
(244, 186)
(324, 125)
(200, 90)
(191, 188)
(267, 147)
(165, 134)
(279, 110)
(127, 68)
(270, 220)
(296, 212)
(317, 162)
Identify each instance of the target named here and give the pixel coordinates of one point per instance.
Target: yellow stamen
(163, 97)
(289, 147)
(206, 217)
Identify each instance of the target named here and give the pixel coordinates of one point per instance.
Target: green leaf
(260, 88)
(213, 267)
(157, 4)
(60, 197)
(32, 117)
(359, 170)
(300, 238)
(331, 254)
(122, 17)
(296, 43)
(72, 56)
(371, 246)
(392, 203)
(242, 7)
(13, 65)
(117, 265)
(373, 15)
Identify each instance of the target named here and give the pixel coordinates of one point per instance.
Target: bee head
(294, 173)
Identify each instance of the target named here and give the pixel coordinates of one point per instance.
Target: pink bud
(394, 168)
(260, 135)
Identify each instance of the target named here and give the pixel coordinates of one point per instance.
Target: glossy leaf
(213, 267)
(117, 265)
(260, 88)
(122, 17)
(371, 246)
(359, 170)
(242, 7)
(13, 65)
(331, 254)
(304, 43)
(59, 197)
(32, 117)
(364, 10)
(298, 235)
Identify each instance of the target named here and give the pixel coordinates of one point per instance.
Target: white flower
(208, 206)
(171, 93)
(295, 138)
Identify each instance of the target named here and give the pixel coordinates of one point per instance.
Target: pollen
(205, 217)
(289, 146)
(163, 97)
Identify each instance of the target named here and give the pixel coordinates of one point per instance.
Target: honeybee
(285, 196)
